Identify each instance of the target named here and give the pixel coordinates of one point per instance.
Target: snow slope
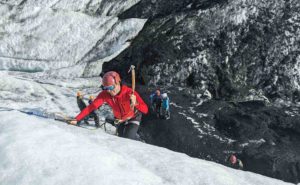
(64, 40)
(42, 151)
(35, 150)
(66, 35)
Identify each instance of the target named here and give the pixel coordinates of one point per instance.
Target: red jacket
(120, 104)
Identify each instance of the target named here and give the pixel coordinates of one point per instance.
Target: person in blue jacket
(165, 106)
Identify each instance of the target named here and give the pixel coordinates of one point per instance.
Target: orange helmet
(111, 78)
(92, 97)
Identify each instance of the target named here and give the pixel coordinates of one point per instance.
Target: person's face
(158, 93)
(116, 90)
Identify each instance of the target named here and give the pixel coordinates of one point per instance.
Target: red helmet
(110, 78)
(233, 159)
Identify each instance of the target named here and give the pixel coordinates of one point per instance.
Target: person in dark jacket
(126, 104)
(82, 105)
(93, 113)
(235, 162)
(156, 103)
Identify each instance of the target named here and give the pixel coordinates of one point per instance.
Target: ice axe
(132, 70)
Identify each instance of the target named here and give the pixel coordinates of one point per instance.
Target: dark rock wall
(159, 8)
(229, 48)
(232, 61)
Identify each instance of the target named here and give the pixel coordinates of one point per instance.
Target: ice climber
(156, 103)
(82, 105)
(127, 106)
(235, 162)
(165, 106)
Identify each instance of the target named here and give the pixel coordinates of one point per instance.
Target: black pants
(158, 109)
(128, 131)
(130, 128)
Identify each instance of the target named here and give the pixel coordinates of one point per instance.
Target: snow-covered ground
(35, 150)
(55, 34)
(66, 39)
(43, 151)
